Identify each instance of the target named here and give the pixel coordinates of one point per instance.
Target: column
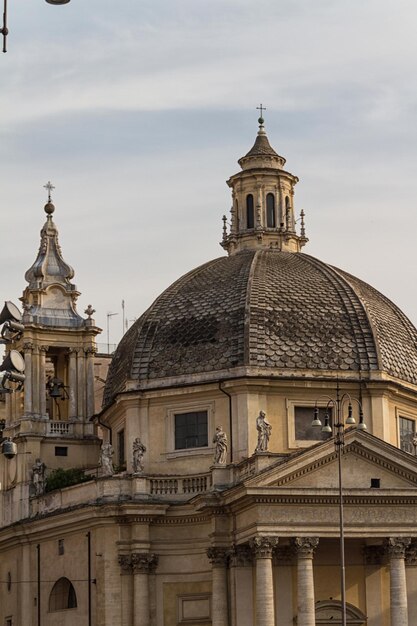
(305, 547)
(398, 587)
(72, 383)
(259, 217)
(42, 380)
(35, 380)
(143, 564)
(28, 348)
(219, 559)
(265, 610)
(81, 383)
(281, 212)
(90, 381)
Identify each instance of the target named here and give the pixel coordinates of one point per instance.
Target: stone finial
(89, 311)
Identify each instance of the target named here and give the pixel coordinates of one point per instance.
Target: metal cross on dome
(261, 108)
(49, 187)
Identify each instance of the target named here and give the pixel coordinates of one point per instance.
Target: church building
(253, 462)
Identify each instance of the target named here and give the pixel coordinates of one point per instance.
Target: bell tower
(51, 415)
(262, 213)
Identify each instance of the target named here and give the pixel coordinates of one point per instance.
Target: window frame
(291, 405)
(411, 418)
(252, 211)
(271, 211)
(71, 589)
(170, 451)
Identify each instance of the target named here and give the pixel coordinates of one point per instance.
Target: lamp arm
(4, 31)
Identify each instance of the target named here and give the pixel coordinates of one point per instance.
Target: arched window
(270, 211)
(329, 612)
(62, 596)
(250, 214)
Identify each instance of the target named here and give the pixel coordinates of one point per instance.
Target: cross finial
(49, 187)
(261, 108)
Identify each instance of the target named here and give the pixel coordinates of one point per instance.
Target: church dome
(266, 309)
(264, 312)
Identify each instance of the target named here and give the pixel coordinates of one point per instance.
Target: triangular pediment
(367, 462)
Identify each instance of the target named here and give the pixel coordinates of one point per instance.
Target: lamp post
(5, 31)
(337, 428)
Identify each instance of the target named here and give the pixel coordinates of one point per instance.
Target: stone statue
(139, 450)
(106, 462)
(220, 450)
(38, 477)
(264, 429)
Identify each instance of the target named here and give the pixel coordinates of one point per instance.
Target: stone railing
(122, 487)
(163, 485)
(59, 428)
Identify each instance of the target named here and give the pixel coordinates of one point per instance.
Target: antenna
(109, 315)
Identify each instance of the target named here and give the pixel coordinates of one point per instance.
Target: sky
(137, 111)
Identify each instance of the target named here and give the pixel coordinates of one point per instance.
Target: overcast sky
(138, 110)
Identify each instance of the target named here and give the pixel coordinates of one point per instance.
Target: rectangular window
(61, 451)
(61, 548)
(191, 430)
(8, 621)
(121, 458)
(407, 434)
(304, 415)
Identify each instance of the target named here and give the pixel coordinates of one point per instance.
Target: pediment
(365, 461)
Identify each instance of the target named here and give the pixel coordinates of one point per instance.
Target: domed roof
(264, 311)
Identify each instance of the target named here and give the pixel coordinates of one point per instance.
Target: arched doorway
(329, 613)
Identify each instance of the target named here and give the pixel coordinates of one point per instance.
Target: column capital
(411, 554)
(263, 546)
(90, 351)
(125, 563)
(144, 562)
(43, 348)
(396, 546)
(374, 555)
(241, 555)
(28, 346)
(218, 557)
(305, 546)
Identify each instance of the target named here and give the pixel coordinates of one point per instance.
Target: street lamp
(5, 31)
(338, 429)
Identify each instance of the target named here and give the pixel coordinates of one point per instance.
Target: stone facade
(172, 538)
